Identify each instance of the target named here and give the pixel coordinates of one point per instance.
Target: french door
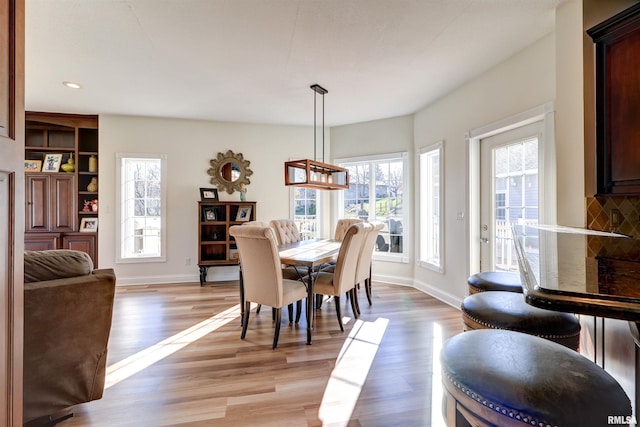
(509, 192)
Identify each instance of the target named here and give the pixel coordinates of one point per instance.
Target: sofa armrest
(66, 331)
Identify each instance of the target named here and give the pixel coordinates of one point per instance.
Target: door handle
(484, 240)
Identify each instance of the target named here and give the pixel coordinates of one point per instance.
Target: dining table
(308, 256)
(581, 271)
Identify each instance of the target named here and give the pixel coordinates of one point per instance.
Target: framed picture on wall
(244, 213)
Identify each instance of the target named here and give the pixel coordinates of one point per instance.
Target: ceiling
(254, 60)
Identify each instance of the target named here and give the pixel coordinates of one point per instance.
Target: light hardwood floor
(377, 373)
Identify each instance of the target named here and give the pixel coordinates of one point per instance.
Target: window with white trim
(141, 220)
(376, 193)
(430, 188)
(305, 208)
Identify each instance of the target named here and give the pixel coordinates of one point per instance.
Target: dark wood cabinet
(617, 43)
(215, 245)
(85, 242)
(57, 202)
(50, 202)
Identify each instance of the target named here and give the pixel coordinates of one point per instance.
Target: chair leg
(276, 334)
(245, 321)
(367, 286)
(298, 310)
(290, 312)
(337, 301)
(354, 302)
(258, 308)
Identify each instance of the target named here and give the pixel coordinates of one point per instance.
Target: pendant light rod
(318, 90)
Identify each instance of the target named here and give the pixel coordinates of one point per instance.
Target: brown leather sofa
(68, 309)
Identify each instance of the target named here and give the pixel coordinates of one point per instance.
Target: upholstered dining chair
(285, 230)
(363, 269)
(342, 280)
(343, 225)
(262, 275)
(286, 233)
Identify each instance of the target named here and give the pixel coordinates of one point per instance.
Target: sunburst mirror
(229, 171)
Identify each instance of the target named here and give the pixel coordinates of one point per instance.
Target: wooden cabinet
(50, 202)
(85, 242)
(56, 202)
(215, 245)
(617, 43)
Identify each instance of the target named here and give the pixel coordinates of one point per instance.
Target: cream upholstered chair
(343, 225)
(286, 231)
(363, 270)
(342, 280)
(262, 274)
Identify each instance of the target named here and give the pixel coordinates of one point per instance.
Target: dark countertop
(580, 271)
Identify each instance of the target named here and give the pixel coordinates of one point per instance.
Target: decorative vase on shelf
(93, 164)
(93, 185)
(243, 192)
(70, 166)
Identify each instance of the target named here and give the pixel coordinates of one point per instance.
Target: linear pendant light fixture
(309, 173)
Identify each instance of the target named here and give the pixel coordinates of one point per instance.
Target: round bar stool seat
(494, 281)
(509, 310)
(506, 378)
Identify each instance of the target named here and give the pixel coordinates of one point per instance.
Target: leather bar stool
(509, 310)
(506, 378)
(494, 281)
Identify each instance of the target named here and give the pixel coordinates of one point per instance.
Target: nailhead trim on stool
(494, 281)
(506, 378)
(509, 310)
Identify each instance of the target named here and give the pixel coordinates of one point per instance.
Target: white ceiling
(254, 60)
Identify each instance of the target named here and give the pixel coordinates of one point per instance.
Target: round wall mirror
(229, 171)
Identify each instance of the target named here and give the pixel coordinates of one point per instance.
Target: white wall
(189, 145)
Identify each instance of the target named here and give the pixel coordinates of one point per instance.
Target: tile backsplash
(619, 214)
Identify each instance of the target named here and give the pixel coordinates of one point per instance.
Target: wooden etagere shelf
(215, 246)
(55, 201)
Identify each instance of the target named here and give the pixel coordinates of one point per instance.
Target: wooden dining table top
(309, 253)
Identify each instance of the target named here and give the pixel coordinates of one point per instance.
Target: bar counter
(580, 271)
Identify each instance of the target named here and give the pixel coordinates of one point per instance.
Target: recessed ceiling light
(72, 85)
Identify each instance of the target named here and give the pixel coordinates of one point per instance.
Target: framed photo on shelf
(89, 224)
(209, 214)
(32, 165)
(244, 213)
(51, 162)
(208, 194)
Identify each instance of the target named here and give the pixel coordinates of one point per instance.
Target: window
(305, 206)
(142, 212)
(430, 168)
(376, 193)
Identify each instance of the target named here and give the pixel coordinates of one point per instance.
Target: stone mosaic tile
(598, 211)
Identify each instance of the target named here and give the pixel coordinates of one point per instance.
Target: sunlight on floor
(436, 382)
(150, 355)
(348, 376)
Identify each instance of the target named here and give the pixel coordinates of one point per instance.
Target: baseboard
(450, 299)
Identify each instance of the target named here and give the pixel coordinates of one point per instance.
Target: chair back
(345, 270)
(260, 261)
(342, 226)
(257, 223)
(286, 231)
(363, 269)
